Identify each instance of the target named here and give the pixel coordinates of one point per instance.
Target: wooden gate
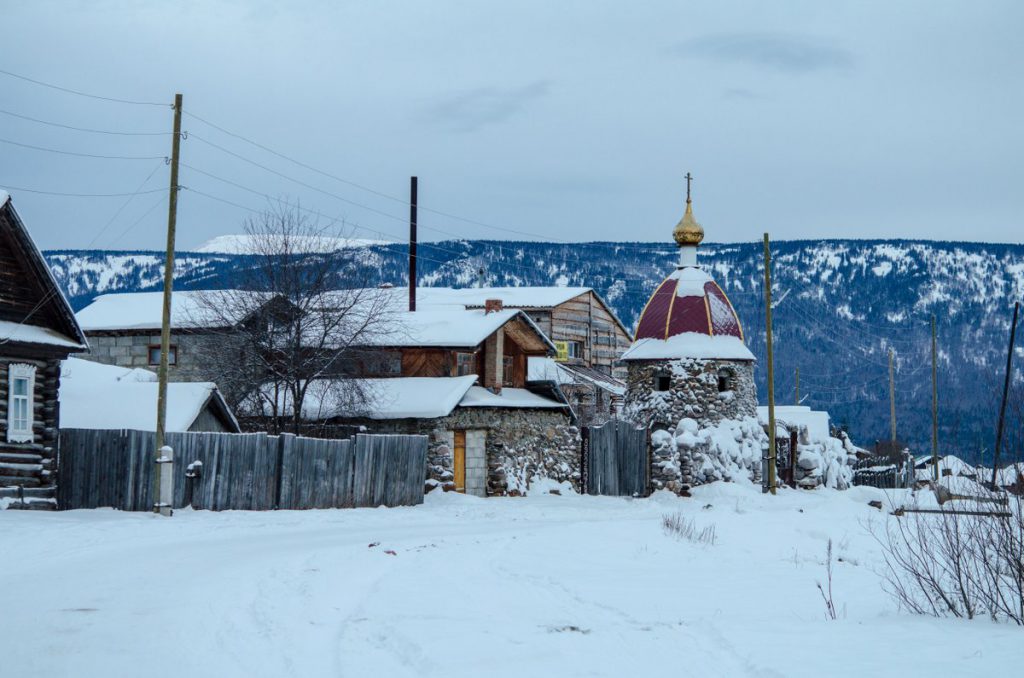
(615, 459)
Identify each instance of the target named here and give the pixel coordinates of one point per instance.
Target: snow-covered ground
(539, 586)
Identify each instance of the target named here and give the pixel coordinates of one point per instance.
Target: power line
(82, 94)
(9, 188)
(124, 205)
(84, 129)
(139, 220)
(381, 194)
(85, 155)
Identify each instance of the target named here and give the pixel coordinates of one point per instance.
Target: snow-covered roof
(144, 310)
(816, 421)
(33, 334)
(548, 369)
(478, 396)
(437, 298)
(689, 345)
(97, 396)
(397, 398)
(452, 327)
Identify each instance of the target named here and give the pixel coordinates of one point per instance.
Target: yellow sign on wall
(562, 351)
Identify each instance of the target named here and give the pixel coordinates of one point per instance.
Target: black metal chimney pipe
(412, 243)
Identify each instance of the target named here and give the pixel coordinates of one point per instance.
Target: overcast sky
(570, 120)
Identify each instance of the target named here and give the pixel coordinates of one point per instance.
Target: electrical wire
(85, 129)
(85, 155)
(9, 188)
(83, 94)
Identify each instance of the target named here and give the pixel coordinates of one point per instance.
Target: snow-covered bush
(730, 450)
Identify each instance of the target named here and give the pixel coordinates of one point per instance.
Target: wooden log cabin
(37, 331)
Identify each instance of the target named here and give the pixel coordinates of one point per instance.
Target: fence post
(284, 443)
(584, 458)
(165, 469)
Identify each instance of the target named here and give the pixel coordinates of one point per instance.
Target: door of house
(459, 461)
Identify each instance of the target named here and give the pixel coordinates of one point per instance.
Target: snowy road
(542, 586)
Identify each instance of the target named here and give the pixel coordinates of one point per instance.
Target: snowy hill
(247, 244)
(841, 305)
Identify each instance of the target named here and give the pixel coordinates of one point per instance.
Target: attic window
(21, 392)
(662, 381)
(724, 380)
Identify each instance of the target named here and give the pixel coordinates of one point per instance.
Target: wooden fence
(886, 474)
(249, 471)
(615, 459)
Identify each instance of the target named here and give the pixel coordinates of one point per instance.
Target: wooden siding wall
(586, 320)
(31, 464)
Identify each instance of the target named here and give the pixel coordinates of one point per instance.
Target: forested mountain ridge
(840, 305)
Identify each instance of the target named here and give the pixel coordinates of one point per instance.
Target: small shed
(97, 396)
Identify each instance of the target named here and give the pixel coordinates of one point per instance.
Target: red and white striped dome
(688, 316)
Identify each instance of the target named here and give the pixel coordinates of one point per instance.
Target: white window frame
(20, 432)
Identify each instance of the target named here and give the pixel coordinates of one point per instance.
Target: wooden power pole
(771, 363)
(892, 400)
(165, 327)
(1006, 392)
(935, 407)
(413, 198)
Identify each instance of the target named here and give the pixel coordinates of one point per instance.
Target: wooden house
(587, 335)
(37, 331)
(459, 376)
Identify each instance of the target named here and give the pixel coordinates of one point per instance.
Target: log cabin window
(465, 363)
(662, 381)
(21, 393)
(154, 354)
(508, 368)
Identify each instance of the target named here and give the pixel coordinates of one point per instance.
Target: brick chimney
(494, 360)
(493, 305)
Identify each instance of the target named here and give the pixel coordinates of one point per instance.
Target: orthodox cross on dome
(688, 233)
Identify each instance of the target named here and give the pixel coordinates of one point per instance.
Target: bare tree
(290, 342)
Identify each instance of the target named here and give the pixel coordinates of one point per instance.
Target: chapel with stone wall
(689, 371)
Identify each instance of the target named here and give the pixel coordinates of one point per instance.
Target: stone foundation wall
(520, 445)
(693, 392)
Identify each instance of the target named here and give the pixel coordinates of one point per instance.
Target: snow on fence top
(799, 416)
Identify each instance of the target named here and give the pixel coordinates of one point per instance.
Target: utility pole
(165, 326)
(892, 400)
(771, 363)
(797, 394)
(935, 408)
(413, 188)
(1006, 392)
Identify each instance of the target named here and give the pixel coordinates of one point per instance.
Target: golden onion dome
(688, 231)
